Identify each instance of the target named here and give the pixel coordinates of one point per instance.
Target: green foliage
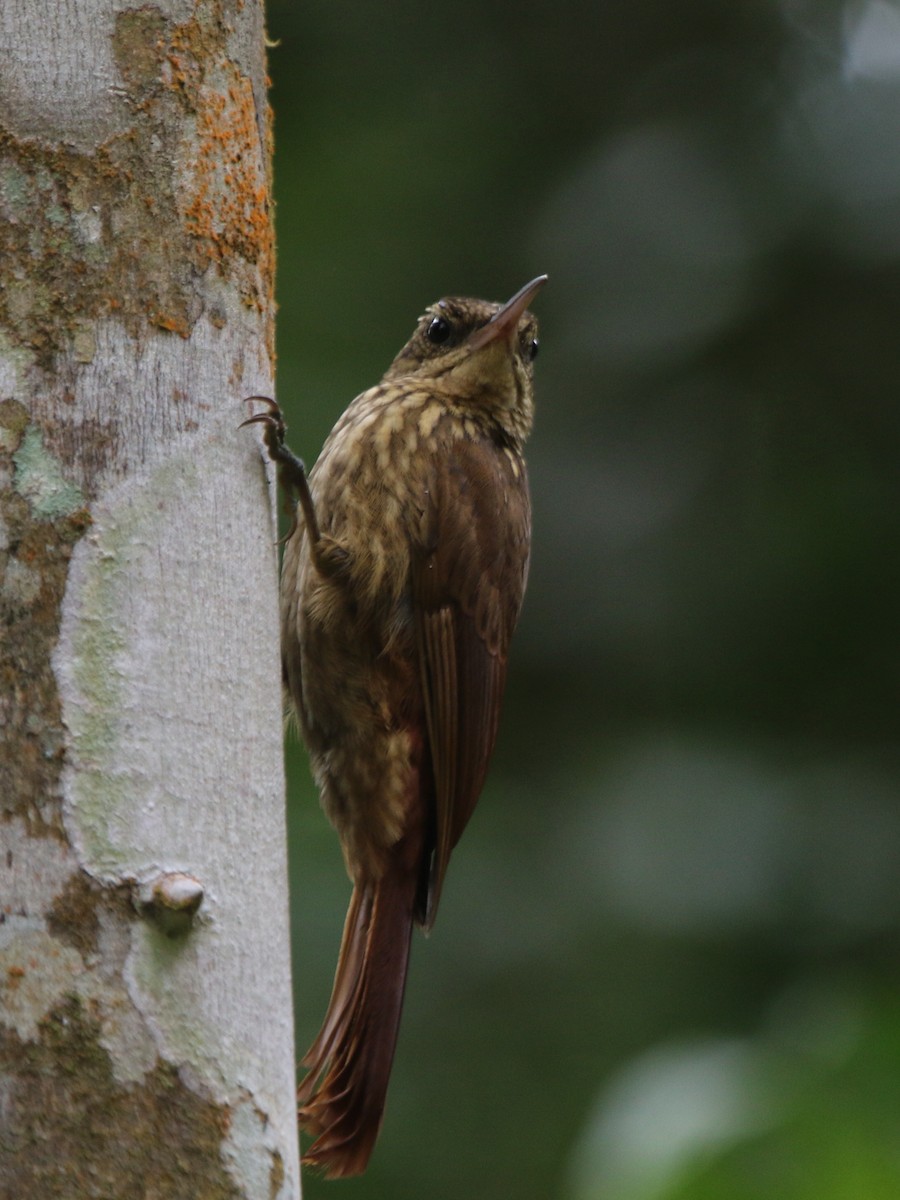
(805, 1109)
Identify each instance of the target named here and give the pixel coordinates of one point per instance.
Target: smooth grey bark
(146, 1036)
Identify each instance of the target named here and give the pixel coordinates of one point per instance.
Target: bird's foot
(291, 471)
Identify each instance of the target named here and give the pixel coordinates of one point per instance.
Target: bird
(402, 581)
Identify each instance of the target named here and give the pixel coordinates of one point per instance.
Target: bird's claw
(274, 414)
(291, 471)
(275, 427)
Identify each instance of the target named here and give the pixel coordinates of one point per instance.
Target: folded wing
(468, 585)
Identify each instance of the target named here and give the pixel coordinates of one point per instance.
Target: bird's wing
(468, 585)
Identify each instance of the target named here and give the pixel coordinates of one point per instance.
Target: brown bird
(401, 586)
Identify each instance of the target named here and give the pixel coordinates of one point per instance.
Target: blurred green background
(666, 961)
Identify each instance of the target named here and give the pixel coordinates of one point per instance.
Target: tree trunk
(145, 1008)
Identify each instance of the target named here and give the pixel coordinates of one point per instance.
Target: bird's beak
(505, 322)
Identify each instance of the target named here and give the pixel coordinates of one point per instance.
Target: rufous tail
(341, 1100)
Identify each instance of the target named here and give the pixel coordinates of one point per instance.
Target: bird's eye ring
(533, 348)
(438, 331)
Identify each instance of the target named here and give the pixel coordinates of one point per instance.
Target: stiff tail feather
(341, 1100)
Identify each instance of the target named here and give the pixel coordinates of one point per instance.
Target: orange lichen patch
(174, 322)
(226, 202)
(182, 63)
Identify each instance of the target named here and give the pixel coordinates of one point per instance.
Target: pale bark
(145, 1049)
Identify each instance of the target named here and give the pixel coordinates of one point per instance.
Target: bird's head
(478, 355)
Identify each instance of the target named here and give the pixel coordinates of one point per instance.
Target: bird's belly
(361, 716)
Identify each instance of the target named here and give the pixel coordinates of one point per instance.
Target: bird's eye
(533, 348)
(438, 331)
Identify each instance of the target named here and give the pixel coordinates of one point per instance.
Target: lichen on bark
(136, 270)
(41, 518)
(75, 1131)
(80, 229)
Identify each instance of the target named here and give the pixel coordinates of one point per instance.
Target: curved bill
(505, 322)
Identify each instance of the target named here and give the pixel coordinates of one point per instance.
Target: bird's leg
(291, 471)
(328, 556)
